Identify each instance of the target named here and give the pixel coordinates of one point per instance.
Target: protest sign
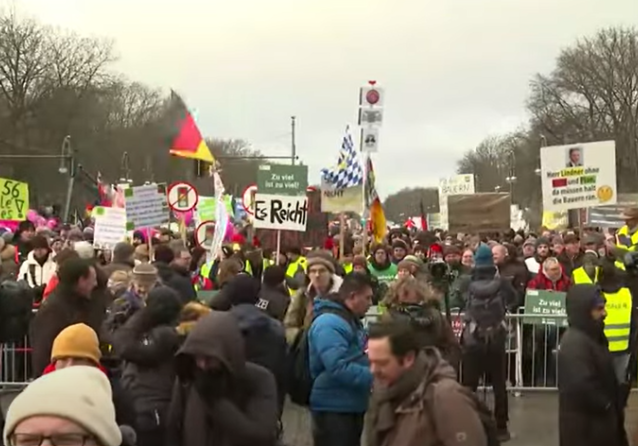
(478, 213)
(146, 206)
(545, 303)
(281, 212)
(455, 185)
(282, 179)
(14, 199)
(335, 200)
(578, 175)
(110, 226)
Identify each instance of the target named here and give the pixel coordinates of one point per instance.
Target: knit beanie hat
(410, 261)
(530, 241)
(81, 394)
(483, 256)
(39, 242)
(359, 261)
(321, 258)
(77, 341)
(399, 243)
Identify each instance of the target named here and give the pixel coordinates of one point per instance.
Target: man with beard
(416, 398)
(590, 412)
(542, 252)
(173, 274)
(381, 267)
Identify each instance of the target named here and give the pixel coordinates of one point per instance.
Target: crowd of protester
(155, 342)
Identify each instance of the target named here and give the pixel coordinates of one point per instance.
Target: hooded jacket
(246, 414)
(265, 341)
(433, 409)
(338, 363)
(42, 272)
(589, 409)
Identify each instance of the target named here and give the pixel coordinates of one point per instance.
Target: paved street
(534, 421)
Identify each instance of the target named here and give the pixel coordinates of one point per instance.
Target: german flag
(186, 140)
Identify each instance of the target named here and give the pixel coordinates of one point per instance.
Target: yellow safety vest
(292, 269)
(579, 275)
(248, 269)
(623, 240)
(347, 268)
(618, 320)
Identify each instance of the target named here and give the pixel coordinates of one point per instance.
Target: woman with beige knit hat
(71, 407)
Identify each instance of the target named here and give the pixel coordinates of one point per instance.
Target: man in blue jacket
(338, 363)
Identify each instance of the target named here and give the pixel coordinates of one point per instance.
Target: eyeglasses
(55, 440)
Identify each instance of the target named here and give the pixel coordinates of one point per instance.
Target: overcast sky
(454, 71)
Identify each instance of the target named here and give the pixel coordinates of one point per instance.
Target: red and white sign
(182, 196)
(205, 233)
(248, 198)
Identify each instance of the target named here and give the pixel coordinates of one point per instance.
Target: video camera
(439, 270)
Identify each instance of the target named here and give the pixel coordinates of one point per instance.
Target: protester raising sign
(281, 212)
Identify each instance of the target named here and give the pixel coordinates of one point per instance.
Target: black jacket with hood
(589, 409)
(147, 344)
(244, 411)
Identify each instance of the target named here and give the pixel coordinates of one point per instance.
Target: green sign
(541, 303)
(282, 179)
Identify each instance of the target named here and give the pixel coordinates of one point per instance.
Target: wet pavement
(533, 420)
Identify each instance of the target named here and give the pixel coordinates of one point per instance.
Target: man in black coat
(590, 408)
(171, 276)
(73, 301)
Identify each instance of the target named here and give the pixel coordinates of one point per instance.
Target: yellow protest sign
(14, 199)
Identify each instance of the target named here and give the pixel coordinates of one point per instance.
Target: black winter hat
(242, 289)
(163, 305)
(39, 242)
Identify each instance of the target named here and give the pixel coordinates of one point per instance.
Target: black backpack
(299, 378)
(484, 413)
(485, 310)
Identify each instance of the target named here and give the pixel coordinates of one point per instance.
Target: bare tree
(408, 202)
(592, 94)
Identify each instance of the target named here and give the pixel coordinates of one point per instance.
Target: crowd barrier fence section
(532, 346)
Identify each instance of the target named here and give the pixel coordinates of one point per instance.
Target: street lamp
(125, 170)
(65, 155)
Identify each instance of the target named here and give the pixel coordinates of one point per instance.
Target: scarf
(384, 402)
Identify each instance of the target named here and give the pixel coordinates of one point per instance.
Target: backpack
(484, 413)
(299, 378)
(485, 310)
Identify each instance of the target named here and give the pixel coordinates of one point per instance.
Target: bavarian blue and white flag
(349, 170)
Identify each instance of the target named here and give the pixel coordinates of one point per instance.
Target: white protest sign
(146, 206)
(281, 212)
(110, 226)
(455, 185)
(578, 176)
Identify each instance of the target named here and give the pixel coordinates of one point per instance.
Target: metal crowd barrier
(532, 344)
(531, 347)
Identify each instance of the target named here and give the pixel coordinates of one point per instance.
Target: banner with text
(14, 199)
(479, 213)
(281, 212)
(110, 226)
(349, 199)
(455, 185)
(578, 176)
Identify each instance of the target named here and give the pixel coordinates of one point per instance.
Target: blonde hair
(408, 284)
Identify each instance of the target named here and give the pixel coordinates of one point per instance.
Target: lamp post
(68, 165)
(125, 170)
